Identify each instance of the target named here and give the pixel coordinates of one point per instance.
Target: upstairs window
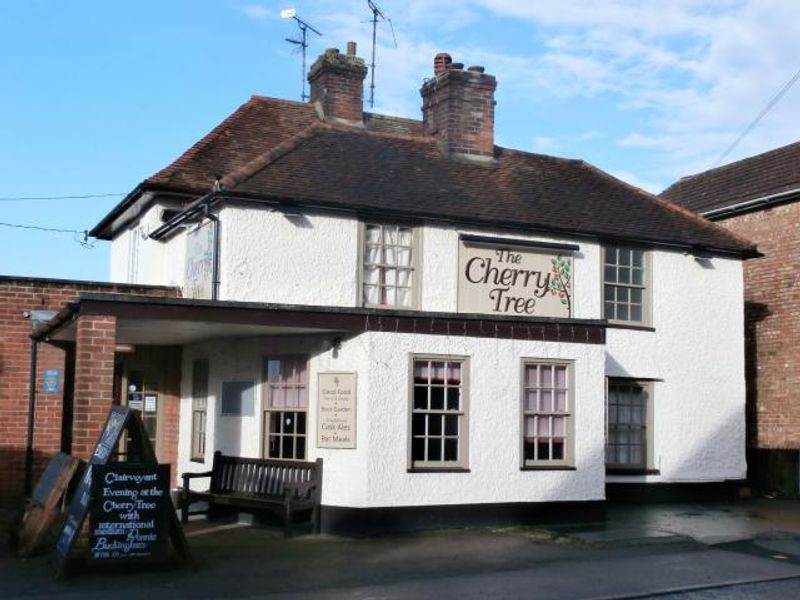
(388, 261)
(625, 293)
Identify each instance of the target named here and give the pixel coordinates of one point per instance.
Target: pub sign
(525, 280)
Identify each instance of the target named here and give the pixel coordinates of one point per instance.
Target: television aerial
(302, 43)
(377, 16)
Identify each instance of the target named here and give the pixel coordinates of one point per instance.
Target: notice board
(128, 515)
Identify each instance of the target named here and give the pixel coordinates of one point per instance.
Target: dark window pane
(609, 310)
(609, 293)
(274, 422)
(420, 397)
(624, 275)
(301, 423)
(451, 449)
(435, 424)
(301, 447)
(529, 450)
(637, 277)
(624, 257)
(288, 422)
(611, 255)
(453, 396)
(288, 447)
(451, 425)
(435, 449)
(636, 313)
(558, 449)
(611, 274)
(437, 398)
(274, 446)
(418, 449)
(638, 258)
(418, 424)
(622, 312)
(544, 450)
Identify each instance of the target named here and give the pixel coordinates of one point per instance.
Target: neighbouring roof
(768, 174)
(278, 148)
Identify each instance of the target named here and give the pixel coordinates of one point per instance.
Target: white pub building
(460, 331)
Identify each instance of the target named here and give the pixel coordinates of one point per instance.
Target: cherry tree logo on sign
(517, 281)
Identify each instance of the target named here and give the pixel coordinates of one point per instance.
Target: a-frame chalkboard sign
(139, 452)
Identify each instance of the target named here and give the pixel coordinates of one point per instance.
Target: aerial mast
(377, 16)
(302, 43)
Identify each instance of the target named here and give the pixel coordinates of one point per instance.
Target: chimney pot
(456, 66)
(476, 69)
(441, 62)
(332, 51)
(351, 48)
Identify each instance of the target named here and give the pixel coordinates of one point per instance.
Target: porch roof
(176, 321)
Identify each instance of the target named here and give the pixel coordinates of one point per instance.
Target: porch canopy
(94, 326)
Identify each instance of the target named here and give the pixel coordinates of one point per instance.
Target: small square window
(625, 292)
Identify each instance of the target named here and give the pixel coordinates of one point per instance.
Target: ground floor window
(438, 413)
(547, 414)
(286, 407)
(629, 410)
(199, 408)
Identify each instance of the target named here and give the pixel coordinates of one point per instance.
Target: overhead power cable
(775, 99)
(81, 237)
(78, 197)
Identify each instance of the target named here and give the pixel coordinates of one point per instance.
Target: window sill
(438, 470)
(616, 471)
(548, 468)
(631, 326)
(201, 461)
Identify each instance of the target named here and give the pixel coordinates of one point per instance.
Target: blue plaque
(51, 382)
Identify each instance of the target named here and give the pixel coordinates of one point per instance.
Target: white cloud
(258, 12)
(654, 187)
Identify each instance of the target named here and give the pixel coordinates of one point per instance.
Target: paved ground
(745, 550)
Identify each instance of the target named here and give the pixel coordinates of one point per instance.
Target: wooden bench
(282, 486)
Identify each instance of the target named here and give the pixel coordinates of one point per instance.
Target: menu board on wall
(199, 276)
(128, 517)
(336, 409)
(500, 278)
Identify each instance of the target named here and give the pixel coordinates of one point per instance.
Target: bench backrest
(260, 476)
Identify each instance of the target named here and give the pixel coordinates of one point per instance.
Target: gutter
(290, 203)
(749, 205)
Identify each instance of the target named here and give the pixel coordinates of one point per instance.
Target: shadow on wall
(754, 313)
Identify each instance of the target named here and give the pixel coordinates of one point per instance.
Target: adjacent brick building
(22, 300)
(759, 198)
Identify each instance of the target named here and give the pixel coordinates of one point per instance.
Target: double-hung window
(629, 413)
(439, 424)
(547, 414)
(199, 408)
(625, 291)
(285, 407)
(388, 266)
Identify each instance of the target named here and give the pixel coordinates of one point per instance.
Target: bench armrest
(300, 489)
(187, 476)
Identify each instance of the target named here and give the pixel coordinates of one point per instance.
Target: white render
(695, 355)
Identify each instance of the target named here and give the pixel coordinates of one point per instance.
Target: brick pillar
(94, 380)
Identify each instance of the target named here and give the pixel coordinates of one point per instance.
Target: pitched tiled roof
(280, 148)
(763, 175)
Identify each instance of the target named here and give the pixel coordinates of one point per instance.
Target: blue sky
(98, 95)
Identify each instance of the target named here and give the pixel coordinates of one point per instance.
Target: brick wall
(17, 295)
(772, 299)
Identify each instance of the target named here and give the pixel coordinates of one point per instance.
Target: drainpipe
(31, 416)
(215, 269)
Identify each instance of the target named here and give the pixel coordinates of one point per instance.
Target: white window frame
(267, 411)
(462, 464)
(416, 253)
(568, 461)
(647, 430)
(645, 286)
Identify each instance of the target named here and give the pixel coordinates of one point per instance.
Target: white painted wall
(375, 473)
(135, 258)
(697, 354)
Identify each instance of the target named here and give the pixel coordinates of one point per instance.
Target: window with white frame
(625, 294)
(199, 408)
(285, 407)
(547, 414)
(439, 413)
(629, 411)
(388, 265)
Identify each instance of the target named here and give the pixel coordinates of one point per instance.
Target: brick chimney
(337, 85)
(458, 107)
